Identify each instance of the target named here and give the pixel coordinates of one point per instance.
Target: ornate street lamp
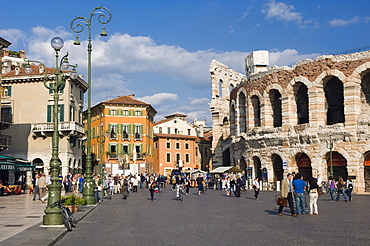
(330, 146)
(77, 25)
(53, 215)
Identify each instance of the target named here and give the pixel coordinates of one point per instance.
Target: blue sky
(161, 50)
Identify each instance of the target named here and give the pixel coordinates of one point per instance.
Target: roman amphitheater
(311, 118)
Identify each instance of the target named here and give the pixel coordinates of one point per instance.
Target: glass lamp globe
(57, 43)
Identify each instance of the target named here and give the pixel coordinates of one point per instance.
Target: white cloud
(159, 98)
(341, 22)
(289, 57)
(118, 61)
(12, 35)
(281, 11)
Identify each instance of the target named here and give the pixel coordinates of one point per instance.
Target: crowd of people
(294, 190)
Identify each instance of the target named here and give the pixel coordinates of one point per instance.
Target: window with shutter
(49, 113)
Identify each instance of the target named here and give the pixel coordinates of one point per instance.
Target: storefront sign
(7, 167)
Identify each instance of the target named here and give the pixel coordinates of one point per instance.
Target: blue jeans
(81, 186)
(300, 203)
(341, 192)
(331, 191)
(111, 189)
(141, 185)
(97, 196)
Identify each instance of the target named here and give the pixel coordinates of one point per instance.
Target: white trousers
(313, 203)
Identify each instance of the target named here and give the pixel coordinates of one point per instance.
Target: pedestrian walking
(124, 187)
(135, 184)
(349, 188)
(151, 187)
(43, 187)
(313, 189)
(287, 193)
(299, 189)
(238, 184)
(36, 189)
(81, 183)
(97, 188)
(341, 189)
(332, 187)
(187, 184)
(200, 184)
(256, 187)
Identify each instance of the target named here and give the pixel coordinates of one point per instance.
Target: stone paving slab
(21, 222)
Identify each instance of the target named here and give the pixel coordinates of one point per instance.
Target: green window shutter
(130, 129)
(119, 149)
(141, 113)
(50, 90)
(141, 130)
(61, 113)
(129, 112)
(141, 149)
(109, 148)
(9, 91)
(48, 117)
(109, 129)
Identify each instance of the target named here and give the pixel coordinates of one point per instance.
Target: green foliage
(73, 201)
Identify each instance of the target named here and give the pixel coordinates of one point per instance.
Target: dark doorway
(367, 172)
(256, 110)
(304, 166)
(277, 164)
(275, 98)
(335, 101)
(339, 164)
(257, 168)
(242, 113)
(226, 161)
(301, 98)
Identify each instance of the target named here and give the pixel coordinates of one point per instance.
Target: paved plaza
(214, 219)
(210, 219)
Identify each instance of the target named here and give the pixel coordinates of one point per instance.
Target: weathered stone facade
(293, 119)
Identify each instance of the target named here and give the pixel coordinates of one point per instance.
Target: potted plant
(73, 202)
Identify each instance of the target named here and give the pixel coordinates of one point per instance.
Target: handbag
(282, 202)
(319, 191)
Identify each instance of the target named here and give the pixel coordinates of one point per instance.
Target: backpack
(125, 182)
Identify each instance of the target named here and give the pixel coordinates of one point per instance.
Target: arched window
(301, 99)
(365, 86)
(220, 82)
(335, 101)
(232, 121)
(275, 99)
(256, 110)
(242, 113)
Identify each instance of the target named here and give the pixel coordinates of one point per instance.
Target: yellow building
(122, 135)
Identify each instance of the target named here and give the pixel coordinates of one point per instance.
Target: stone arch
(277, 164)
(232, 119)
(303, 162)
(339, 164)
(220, 87)
(243, 164)
(334, 95)
(39, 165)
(366, 164)
(242, 110)
(276, 107)
(225, 127)
(257, 166)
(299, 79)
(301, 102)
(254, 109)
(226, 159)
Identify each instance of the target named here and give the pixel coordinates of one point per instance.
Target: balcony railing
(62, 126)
(6, 117)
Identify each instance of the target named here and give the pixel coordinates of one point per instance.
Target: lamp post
(101, 141)
(77, 26)
(53, 215)
(330, 146)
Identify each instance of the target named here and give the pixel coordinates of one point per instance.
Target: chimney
(17, 70)
(6, 52)
(22, 54)
(132, 95)
(41, 68)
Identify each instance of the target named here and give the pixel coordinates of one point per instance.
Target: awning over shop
(195, 171)
(13, 164)
(7, 166)
(220, 169)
